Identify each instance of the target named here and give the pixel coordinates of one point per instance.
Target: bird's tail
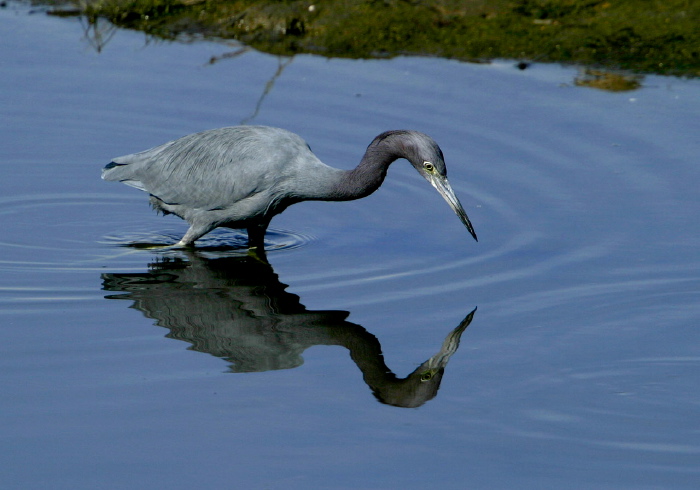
(120, 172)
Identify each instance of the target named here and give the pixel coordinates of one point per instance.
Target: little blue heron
(242, 176)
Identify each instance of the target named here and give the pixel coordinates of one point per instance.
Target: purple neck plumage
(366, 178)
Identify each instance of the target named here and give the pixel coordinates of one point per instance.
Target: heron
(242, 176)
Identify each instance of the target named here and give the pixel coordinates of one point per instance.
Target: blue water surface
(127, 367)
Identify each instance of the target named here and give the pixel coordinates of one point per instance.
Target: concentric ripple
(218, 243)
(74, 231)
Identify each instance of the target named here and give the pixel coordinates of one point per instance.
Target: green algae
(644, 36)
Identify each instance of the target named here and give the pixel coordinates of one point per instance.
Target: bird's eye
(426, 376)
(429, 167)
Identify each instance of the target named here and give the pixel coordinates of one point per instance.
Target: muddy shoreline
(639, 36)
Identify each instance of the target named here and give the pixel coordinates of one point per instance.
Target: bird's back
(214, 168)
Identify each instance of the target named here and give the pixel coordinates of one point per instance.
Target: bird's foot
(177, 246)
(183, 244)
(258, 253)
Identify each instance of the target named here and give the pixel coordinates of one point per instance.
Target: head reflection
(237, 309)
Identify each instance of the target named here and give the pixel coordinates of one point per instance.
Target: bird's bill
(445, 190)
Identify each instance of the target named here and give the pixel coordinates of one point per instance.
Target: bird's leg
(195, 232)
(183, 244)
(256, 237)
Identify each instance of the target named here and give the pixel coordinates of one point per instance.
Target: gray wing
(215, 168)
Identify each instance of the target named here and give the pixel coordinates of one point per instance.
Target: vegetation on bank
(645, 36)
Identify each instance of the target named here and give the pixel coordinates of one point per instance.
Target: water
(123, 367)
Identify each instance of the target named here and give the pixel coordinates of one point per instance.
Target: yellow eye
(426, 376)
(429, 167)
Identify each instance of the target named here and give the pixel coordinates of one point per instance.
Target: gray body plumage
(242, 176)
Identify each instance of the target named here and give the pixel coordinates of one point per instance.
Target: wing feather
(212, 169)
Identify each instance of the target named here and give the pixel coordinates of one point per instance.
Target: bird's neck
(366, 178)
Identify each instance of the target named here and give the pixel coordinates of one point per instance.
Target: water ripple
(218, 243)
(69, 231)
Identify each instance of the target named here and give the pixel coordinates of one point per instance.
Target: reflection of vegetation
(613, 82)
(99, 33)
(659, 36)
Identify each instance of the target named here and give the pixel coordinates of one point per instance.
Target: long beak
(445, 190)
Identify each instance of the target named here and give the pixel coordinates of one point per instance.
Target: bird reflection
(237, 309)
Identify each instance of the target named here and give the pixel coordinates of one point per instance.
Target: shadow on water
(237, 309)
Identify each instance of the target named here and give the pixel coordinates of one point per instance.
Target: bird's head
(426, 157)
